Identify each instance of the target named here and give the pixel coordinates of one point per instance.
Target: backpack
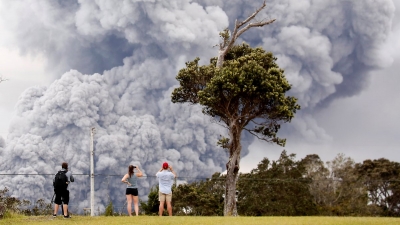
(60, 180)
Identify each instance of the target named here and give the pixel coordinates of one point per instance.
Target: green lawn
(203, 220)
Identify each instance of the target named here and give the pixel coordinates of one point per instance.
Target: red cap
(165, 165)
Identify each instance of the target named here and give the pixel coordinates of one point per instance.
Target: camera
(134, 167)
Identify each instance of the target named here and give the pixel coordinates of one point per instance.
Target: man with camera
(166, 176)
(60, 183)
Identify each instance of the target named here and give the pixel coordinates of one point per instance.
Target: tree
(335, 187)
(246, 93)
(382, 179)
(8, 204)
(276, 188)
(109, 211)
(152, 206)
(201, 198)
(350, 193)
(319, 186)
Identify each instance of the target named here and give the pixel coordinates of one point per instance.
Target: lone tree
(243, 89)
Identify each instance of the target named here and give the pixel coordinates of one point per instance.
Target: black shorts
(131, 191)
(62, 196)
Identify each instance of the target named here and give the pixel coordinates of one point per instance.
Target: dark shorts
(131, 191)
(62, 196)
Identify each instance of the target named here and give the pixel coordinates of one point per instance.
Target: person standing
(61, 181)
(131, 189)
(166, 176)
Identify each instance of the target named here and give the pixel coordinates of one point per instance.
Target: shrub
(109, 211)
(8, 205)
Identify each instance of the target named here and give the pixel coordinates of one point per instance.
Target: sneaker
(67, 217)
(54, 215)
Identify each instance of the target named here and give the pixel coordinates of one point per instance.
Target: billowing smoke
(2, 144)
(327, 48)
(124, 56)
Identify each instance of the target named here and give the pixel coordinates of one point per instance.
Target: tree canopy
(248, 90)
(276, 188)
(200, 198)
(381, 178)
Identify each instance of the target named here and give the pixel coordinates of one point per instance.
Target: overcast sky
(363, 124)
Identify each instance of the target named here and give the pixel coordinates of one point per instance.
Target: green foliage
(202, 198)
(382, 180)
(12, 215)
(151, 207)
(249, 89)
(289, 187)
(42, 208)
(109, 211)
(11, 206)
(336, 187)
(225, 35)
(8, 204)
(276, 189)
(223, 142)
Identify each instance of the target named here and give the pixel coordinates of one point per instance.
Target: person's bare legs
(55, 209)
(169, 208)
(65, 208)
(161, 208)
(129, 204)
(135, 204)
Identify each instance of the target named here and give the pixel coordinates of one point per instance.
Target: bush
(11, 206)
(151, 207)
(42, 208)
(109, 211)
(8, 204)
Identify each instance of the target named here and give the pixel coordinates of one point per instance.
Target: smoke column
(121, 59)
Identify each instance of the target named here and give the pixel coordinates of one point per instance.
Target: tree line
(290, 187)
(283, 187)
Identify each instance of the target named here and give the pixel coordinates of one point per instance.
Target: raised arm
(139, 172)
(172, 171)
(159, 171)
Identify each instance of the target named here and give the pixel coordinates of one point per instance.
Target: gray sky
(112, 65)
(362, 127)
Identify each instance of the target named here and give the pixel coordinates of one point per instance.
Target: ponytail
(130, 171)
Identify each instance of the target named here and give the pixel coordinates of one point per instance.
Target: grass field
(154, 220)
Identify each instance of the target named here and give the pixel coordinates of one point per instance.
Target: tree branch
(253, 15)
(260, 138)
(238, 25)
(250, 25)
(227, 45)
(218, 122)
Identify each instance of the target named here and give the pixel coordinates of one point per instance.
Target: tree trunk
(232, 171)
(221, 57)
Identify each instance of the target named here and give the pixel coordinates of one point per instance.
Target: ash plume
(122, 57)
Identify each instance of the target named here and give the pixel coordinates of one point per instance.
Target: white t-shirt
(165, 180)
